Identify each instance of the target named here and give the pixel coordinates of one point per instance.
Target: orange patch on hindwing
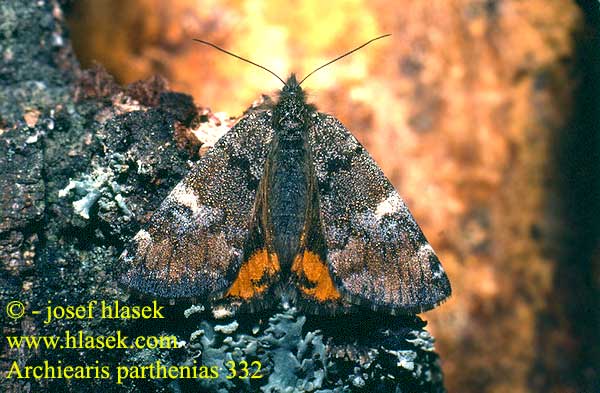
(251, 279)
(311, 267)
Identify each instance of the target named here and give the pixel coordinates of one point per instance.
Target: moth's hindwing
(376, 252)
(310, 273)
(260, 267)
(193, 246)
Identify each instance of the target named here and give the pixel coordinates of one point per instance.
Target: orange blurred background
(467, 108)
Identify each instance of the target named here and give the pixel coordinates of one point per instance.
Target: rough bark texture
(483, 113)
(84, 162)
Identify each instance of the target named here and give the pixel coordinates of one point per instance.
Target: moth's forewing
(193, 246)
(376, 253)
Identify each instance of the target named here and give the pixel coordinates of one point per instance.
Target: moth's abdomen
(287, 200)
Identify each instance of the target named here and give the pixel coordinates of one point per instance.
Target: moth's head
(292, 87)
(292, 111)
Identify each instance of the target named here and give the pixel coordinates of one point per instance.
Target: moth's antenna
(241, 58)
(344, 55)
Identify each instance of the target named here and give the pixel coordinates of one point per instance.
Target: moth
(287, 206)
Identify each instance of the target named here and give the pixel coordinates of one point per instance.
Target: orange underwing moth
(287, 206)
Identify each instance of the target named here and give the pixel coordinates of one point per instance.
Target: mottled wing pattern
(377, 253)
(194, 244)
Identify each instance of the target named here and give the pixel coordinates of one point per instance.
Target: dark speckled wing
(194, 244)
(376, 252)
